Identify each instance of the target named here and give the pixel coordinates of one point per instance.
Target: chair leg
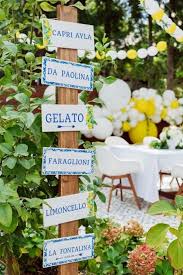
(116, 191)
(134, 191)
(178, 182)
(121, 189)
(110, 197)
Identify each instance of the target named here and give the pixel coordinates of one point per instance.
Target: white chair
(114, 168)
(113, 140)
(177, 172)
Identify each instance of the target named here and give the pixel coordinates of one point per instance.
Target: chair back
(113, 140)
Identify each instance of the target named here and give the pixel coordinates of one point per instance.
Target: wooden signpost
(68, 184)
(67, 160)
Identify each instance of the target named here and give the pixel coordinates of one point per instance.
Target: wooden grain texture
(67, 184)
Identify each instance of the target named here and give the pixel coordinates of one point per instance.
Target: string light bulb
(173, 14)
(180, 23)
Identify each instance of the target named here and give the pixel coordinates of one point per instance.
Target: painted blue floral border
(60, 84)
(66, 261)
(45, 172)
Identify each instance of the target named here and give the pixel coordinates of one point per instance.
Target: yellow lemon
(126, 126)
(174, 104)
(164, 113)
(171, 29)
(158, 15)
(161, 46)
(100, 55)
(40, 47)
(143, 129)
(132, 54)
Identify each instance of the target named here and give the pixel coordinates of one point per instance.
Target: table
(153, 161)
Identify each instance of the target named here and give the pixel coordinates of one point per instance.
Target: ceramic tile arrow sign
(68, 208)
(67, 74)
(68, 35)
(59, 161)
(57, 118)
(68, 250)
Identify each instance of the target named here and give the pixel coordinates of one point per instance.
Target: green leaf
(12, 226)
(21, 150)
(109, 79)
(98, 85)
(2, 15)
(22, 98)
(34, 202)
(5, 214)
(174, 231)
(101, 196)
(29, 119)
(47, 7)
(79, 6)
(8, 137)
(34, 178)
(10, 162)
(156, 236)
(175, 254)
(161, 207)
(10, 47)
(98, 101)
(6, 148)
(179, 202)
(27, 164)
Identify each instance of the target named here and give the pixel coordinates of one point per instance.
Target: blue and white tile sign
(68, 35)
(68, 250)
(58, 118)
(68, 208)
(67, 74)
(59, 161)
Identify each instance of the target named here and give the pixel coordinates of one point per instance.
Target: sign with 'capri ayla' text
(68, 35)
(68, 250)
(67, 74)
(59, 161)
(68, 208)
(57, 118)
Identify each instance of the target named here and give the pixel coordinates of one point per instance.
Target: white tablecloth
(153, 161)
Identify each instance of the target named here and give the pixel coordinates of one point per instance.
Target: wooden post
(67, 184)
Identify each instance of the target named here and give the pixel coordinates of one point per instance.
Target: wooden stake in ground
(67, 184)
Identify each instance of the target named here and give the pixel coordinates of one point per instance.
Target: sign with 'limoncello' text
(68, 250)
(59, 161)
(68, 208)
(68, 35)
(67, 74)
(57, 118)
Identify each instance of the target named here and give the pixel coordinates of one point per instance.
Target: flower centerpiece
(170, 138)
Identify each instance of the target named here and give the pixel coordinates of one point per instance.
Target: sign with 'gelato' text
(68, 250)
(57, 118)
(59, 161)
(67, 74)
(68, 208)
(68, 35)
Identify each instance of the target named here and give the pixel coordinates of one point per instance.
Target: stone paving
(122, 211)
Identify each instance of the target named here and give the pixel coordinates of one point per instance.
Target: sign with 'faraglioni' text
(67, 74)
(68, 250)
(57, 118)
(65, 161)
(68, 35)
(68, 208)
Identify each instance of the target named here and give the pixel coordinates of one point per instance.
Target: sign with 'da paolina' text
(57, 118)
(68, 208)
(59, 161)
(67, 74)
(68, 250)
(68, 35)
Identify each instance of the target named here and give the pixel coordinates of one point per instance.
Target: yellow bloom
(141, 105)
(123, 110)
(132, 54)
(40, 47)
(171, 29)
(174, 104)
(144, 128)
(126, 126)
(17, 34)
(110, 118)
(158, 15)
(164, 113)
(150, 108)
(100, 55)
(161, 46)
